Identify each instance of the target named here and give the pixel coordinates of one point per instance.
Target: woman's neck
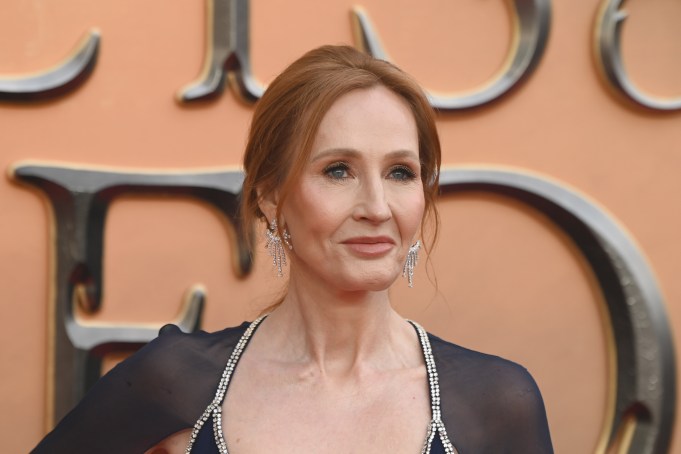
(338, 333)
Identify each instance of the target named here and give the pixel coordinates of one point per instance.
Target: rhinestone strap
(215, 407)
(436, 425)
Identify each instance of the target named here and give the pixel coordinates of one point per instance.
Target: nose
(371, 202)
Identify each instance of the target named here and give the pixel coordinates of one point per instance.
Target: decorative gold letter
(640, 407)
(532, 22)
(80, 199)
(227, 54)
(58, 80)
(608, 52)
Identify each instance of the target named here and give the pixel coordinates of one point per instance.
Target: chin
(376, 283)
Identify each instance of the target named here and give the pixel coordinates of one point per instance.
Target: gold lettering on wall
(227, 54)
(642, 375)
(608, 48)
(62, 78)
(531, 24)
(80, 198)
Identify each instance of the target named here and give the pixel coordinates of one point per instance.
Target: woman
(342, 164)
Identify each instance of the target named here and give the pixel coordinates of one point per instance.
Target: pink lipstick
(370, 246)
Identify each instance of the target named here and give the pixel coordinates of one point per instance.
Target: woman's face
(359, 202)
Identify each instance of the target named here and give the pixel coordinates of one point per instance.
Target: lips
(370, 245)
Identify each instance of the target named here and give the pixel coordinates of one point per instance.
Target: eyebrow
(352, 153)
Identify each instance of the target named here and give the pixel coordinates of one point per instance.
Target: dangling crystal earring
(274, 247)
(410, 263)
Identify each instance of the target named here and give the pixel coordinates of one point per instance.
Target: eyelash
(409, 174)
(335, 167)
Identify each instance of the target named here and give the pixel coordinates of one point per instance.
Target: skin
(334, 368)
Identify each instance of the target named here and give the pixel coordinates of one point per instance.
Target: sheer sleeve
(160, 390)
(489, 404)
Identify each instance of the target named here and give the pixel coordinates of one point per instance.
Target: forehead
(371, 119)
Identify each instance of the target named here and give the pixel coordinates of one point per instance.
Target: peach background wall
(509, 282)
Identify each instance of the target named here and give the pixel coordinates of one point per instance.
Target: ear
(268, 204)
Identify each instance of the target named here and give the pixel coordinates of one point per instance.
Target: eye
(401, 173)
(337, 171)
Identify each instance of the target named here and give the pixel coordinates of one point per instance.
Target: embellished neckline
(214, 409)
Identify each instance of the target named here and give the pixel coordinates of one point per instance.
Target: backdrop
(504, 278)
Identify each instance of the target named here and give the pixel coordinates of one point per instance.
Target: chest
(296, 413)
(383, 412)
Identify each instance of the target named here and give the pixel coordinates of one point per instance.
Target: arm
(521, 419)
(140, 402)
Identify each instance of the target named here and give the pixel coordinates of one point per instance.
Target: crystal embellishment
(435, 428)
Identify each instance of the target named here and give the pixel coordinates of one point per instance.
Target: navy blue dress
(486, 404)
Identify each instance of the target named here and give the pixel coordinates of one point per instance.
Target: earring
(274, 247)
(410, 263)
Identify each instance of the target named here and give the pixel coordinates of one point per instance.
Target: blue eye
(337, 171)
(402, 173)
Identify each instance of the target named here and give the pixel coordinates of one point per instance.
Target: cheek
(312, 210)
(410, 213)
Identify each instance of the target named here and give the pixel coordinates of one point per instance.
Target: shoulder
(455, 359)
(171, 336)
(504, 385)
(174, 348)
(175, 359)
(490, 396)
(172, 333)
(160, 390)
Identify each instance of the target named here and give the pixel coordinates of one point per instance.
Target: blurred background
(503, 278)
